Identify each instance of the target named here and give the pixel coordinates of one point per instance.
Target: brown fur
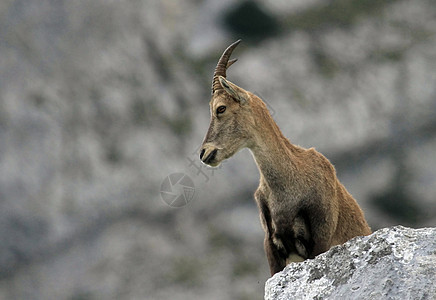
(304, 209)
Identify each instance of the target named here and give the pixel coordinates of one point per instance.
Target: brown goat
(304, 209)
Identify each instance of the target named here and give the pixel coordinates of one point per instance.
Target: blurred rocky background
(100, 101)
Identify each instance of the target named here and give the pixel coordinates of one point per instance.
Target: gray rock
(392, 263)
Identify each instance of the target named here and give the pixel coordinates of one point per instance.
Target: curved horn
(222, 65)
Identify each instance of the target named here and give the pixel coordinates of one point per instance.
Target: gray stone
(392, 263)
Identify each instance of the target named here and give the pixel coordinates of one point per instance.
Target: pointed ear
(233, 90)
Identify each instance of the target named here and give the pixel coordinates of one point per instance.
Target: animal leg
(275, 258)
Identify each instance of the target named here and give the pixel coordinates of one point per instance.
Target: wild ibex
(304, 209)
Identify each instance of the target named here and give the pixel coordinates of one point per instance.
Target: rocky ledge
(392, 263)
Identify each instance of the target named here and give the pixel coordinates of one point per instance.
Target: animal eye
(221, 109)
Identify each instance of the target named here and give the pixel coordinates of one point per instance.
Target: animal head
(232, 119)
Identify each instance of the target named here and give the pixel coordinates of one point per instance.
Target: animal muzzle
(208, 155)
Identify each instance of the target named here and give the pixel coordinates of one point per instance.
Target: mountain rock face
(392, 263)
(104, 105)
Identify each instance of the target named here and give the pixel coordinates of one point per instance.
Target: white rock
(392, 263)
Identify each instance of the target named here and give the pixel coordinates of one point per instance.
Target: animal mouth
(209, 159)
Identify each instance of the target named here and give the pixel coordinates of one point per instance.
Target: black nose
(210, 157)
(202, 153)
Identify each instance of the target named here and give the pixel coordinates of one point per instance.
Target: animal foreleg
(275, 259)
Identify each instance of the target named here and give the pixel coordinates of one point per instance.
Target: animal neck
(272, 151)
